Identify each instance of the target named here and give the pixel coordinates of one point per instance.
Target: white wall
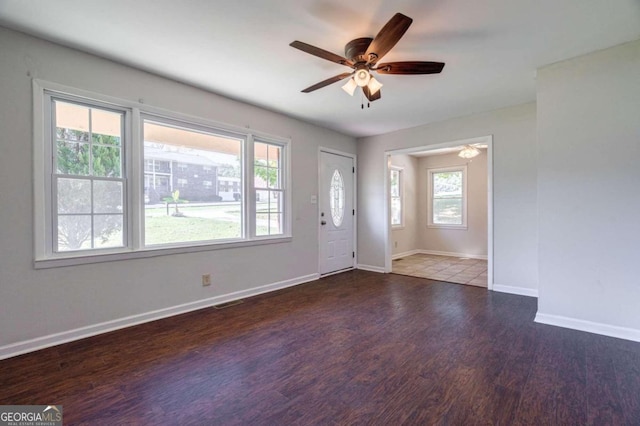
(404, 239)
(37, 303)
(588, 188)
(470, 241)
(514, 185)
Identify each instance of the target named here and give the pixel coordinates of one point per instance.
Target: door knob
(323, 222)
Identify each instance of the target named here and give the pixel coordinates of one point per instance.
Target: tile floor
(443, 268)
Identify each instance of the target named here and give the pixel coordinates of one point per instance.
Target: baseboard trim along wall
(590, 327)
(371, 268)
(437, 253)
(451, 254)
(521, 291)
(404, 254)
(26, 346)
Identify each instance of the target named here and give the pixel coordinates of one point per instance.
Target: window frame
(133, 172)
(401, 197)
(430, 210)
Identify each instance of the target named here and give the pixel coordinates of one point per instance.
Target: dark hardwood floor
(355, 348)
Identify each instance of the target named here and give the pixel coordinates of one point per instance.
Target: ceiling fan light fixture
(350, 86)
(362, 77)
(468, 151)
(374, 85)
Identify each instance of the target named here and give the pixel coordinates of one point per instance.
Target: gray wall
(470, 241)
(515, 187)
(405, 239)
(588, 188)
(36, 303)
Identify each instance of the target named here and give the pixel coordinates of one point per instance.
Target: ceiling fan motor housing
(355, 50)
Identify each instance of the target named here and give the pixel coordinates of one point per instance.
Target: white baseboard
(590, 327)
(521, 291)
(404, 254)
(451, 254)
(31, 345)
(371, 268)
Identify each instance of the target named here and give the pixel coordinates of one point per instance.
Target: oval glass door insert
(336, 198)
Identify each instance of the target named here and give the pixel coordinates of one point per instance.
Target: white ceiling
(240, 49)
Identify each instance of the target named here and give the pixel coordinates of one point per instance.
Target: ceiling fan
(363, 54)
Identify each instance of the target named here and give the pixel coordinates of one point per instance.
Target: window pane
(447, 184)
(262, 224)
(106, 127)
(72, 121)
(395, 183)
(275, 224)
(106, 161)
(266, 166)
(74, 232)
(447, 211)
(185, 198)
(72, 158)
(74, 196)
(396, 211)
(107, 196)
(107, 231)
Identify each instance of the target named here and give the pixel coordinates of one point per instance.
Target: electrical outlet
(206, 280)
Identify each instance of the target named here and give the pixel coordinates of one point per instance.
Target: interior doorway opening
(439, 210)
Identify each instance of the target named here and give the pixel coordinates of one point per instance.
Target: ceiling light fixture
(374, 85)
(468, 151)
(350, 87)
(362, 77)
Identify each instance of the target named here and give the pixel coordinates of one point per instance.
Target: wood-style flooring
(355, 348)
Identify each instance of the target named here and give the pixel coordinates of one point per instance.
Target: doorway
(336, 211)
(435, 223)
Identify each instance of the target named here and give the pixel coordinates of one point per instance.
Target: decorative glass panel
(336, 198)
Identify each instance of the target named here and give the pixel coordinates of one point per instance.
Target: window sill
(76, 259)
(459, 227)
(397, 227)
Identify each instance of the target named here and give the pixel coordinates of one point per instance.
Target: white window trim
(43, 255)
(402, 198)
(430, 172)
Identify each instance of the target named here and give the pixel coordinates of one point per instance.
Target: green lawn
(199, 223)
(169, 229)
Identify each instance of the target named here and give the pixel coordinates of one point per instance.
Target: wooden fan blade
(321, 53)
(371, 97)
(388, 37)
(327, 82)
(410, 67)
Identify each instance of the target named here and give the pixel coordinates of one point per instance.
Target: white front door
(336, 212)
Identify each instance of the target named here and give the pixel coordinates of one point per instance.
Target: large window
(175, 184)
(396, 189)
(447, 197)
(188, 206)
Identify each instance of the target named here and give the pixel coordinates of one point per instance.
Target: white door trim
(387, 210)
(355, 199)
